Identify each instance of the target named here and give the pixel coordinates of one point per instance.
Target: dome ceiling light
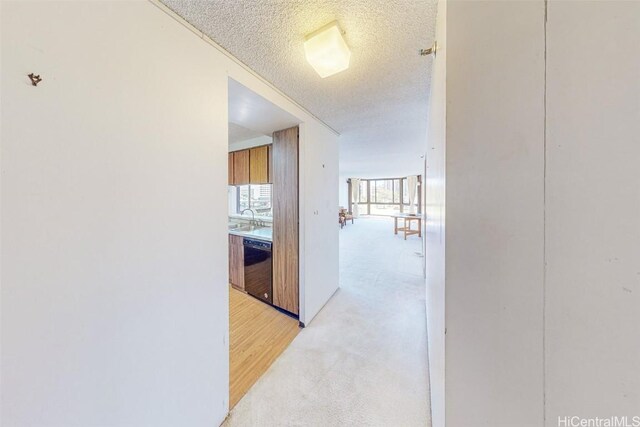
(326, 50)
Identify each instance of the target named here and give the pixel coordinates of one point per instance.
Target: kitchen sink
(244, 227)
(247, 228)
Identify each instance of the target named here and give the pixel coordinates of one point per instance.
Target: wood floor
(258, 334)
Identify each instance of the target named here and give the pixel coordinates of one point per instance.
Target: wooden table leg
(405, 228)
(419, 227)
(395, 225)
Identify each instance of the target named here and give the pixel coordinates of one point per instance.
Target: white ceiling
(239, 133)
(379, 105)
(250, 113)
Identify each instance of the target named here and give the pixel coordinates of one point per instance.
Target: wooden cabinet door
(236, 261)
(241, 167)
(259, 165)
(270, 163)
(231, 181)
(285, 220)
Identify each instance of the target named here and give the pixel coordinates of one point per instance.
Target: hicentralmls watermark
(576, 421)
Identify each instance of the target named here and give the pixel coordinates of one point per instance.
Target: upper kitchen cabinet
(270, 160)
(251, 166)
(240, 167)
(259, 165)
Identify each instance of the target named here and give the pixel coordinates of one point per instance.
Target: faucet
(253, 216)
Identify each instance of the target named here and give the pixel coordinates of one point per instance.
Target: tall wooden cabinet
(285, 220)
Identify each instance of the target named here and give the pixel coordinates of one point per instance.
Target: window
(382, 191)
(363, 192)
(385, 196)
(396, 190)
(405, 192)
(255, 197)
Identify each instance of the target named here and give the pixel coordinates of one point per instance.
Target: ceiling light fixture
(326, 50)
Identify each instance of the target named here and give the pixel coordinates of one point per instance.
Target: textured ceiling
(379, 105)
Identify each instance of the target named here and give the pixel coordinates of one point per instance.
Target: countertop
(262, 233)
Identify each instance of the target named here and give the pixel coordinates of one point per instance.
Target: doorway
(263, 306)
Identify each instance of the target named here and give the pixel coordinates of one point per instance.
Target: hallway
(363, 360)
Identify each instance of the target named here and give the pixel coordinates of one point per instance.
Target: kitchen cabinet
(285, 220)
(259, 165)
(251, 166)
(236, 261)
(240, 167)
(270, 160)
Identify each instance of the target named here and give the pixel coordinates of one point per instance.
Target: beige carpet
(363, 359)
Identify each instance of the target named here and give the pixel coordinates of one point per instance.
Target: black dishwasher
(258, 276)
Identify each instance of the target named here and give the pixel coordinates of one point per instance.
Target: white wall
(114, 239)
(494, 204)
(434, 208)
(114, 255)
(249, 143)
(319, 218)
(593, 210)
(543, 201)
